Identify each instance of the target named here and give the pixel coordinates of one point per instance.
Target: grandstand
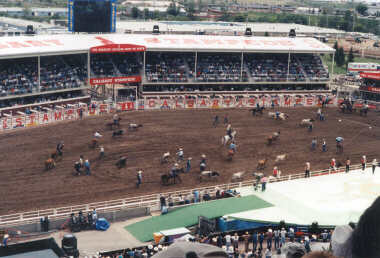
(45, 68)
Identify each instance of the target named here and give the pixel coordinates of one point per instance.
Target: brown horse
(94, 143)
(49, 164)
(261, 164)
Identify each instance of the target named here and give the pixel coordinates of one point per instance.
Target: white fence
(152, 201)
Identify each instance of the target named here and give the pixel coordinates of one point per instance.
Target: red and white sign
(374, 76)
(115, 80)
(117, 48)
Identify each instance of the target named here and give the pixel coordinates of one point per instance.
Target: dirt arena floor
(25, 185)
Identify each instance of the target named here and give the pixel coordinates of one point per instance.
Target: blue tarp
(102, 224)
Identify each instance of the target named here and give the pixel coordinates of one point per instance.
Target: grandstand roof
(79, 43)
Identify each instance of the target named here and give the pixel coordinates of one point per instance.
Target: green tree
(146, 13)
(172, 9)
(190, 8)
(350, 57)
(135, 12)
(362, 8)
(240, 18)
(348, 20)
(340, 58)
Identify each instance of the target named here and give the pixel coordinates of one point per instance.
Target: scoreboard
(92, 16)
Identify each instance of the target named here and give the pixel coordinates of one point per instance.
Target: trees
(172, 9)
(190, 8)
(362, 9)
(340, 58)
(350, 57)
(135, 12)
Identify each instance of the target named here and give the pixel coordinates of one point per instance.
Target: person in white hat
(374, 164)
(363, 161)
(139, 178)
(180, 154)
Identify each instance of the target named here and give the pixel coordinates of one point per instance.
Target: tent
(180, 249)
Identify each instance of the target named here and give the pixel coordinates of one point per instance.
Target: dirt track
(24, 184)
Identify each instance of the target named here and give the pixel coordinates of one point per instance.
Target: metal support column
(241, 66)
(332, 70)
(39, 73)
(195, 66)
(88, 67)
(144, 64)
(287, 75)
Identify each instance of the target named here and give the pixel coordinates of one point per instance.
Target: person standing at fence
(254, 241)
(307, 169)
(332, 165)
(188, 165)
(348, 163)
(216, 121)
(139, 178)
(87, 167)
(101, 152)
(374, 164)
(81, 113)
(313, 144)
(363, 161)
(324, 145)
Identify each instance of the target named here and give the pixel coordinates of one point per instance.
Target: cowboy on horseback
(233, 147)
(60, 146)
(116, 119)
(229, 131)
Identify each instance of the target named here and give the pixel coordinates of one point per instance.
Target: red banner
(374, 76)
(117, 48)
(374, 89)
(115, 80)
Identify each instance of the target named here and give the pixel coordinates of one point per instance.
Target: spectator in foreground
(364, 240)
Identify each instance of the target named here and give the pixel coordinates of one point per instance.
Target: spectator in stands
(291, 234)
(269, 238)
(319, 254)
(254, 240)
(228, 240)
(261, 240)
(293, 250)
(283, 235)
(276, 234)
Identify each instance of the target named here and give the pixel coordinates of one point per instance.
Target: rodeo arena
(144, 145)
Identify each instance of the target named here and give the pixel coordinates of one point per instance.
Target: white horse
(306, 122)
(281, 157)
(281, 116)
(165, 157)
(227, 138)
(134, 127)
(238, 175)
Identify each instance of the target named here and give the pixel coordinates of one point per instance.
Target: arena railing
(148, 201)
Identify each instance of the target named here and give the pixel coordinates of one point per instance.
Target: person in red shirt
(333, 164)
(275, 171)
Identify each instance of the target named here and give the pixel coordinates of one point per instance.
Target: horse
(117, 133)
(56, 155)
(94, 144)
(227, 138)
(122, 162)
(134, 127)
(166, 178)
(273, 137)
(165, 157)
(279, 158)
(306, 122)
(49, 164)
(208, 174)
(257, 110)
(237, 175)
(114, 123)
(230, 154)
(261, 164)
